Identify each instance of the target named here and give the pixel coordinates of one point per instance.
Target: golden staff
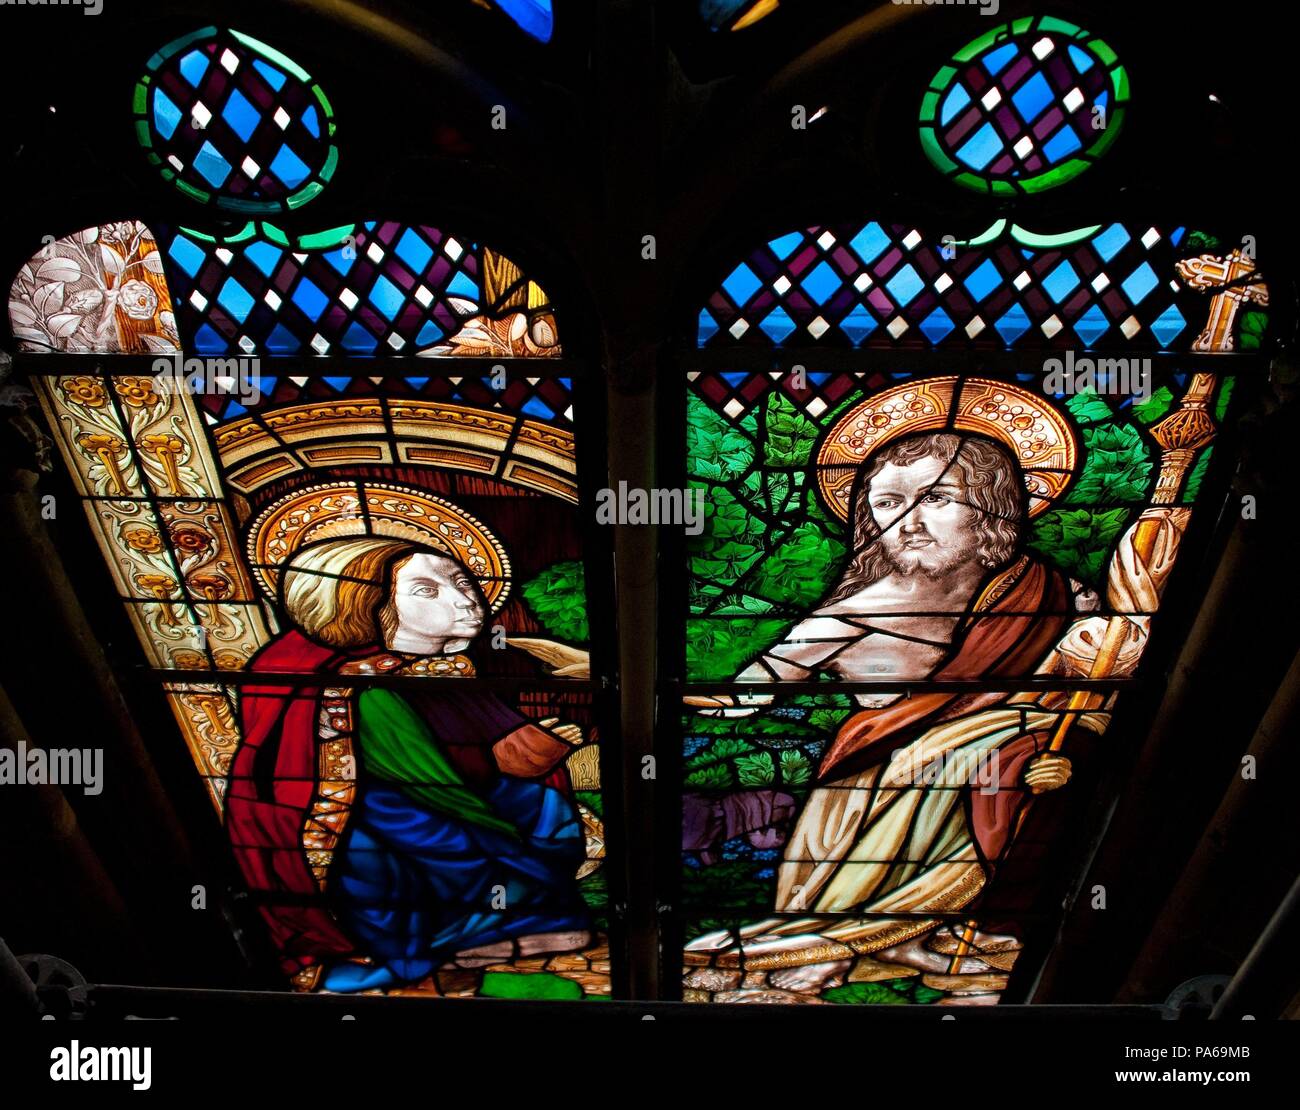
(1180, 435)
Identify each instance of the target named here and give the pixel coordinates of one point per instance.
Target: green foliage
(726, 886)
(755, 770)
(719, 750)
(557, 598)
(594, 800)
(717, 649)
(1225, 398)
(717, 448)
(828, 720)
(1253, 326)
(1199, 242)
(1078, 540)
(1155, 406)
(795, 768)
(1117, 466)
(798, 570)
(538, 984)
(888, 992)
(790, 435)
(714, 777)
(1088, 407)
(1193, 487)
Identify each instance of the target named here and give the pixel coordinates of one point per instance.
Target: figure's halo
(1037, 433)
(336, 509)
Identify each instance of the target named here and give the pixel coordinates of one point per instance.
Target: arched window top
(1025, 107)
(374, 288)
(893, 285)
(233, 122)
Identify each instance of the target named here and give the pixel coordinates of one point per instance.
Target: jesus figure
(934, 589)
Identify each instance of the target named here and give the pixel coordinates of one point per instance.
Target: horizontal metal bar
(311, 366)
(329, 678)
(921, 686)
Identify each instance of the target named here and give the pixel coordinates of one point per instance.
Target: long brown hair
(993, 487)
(335, 591)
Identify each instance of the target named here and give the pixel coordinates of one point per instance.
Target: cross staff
(1180, 435)
(1229, 276)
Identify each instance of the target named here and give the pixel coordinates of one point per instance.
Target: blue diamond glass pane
(533, 16)
(310, 299)
(954, 102)
(981, 148)
(870, 242)
(1013, 324)
(186, 254)
(235, 299)
(1091, 326)
(1081, 58)
(209, 341)
(983, 280)
(1064, 143)
(741, 284)
(1032, 97)
(904, 285)
(413, 250)
(273, 76)
(1110, 242)
(535, 407)
(281, 341)
(166, 115)
(264, 256)
(858, 324)
(1061, 282)
(341, 262)
(995, 60)
(358, 340)
(936, 326)
(462, 285)
(821, 282)
(1139, 283)
(311, 121)
(1167, 326)
(430, 333)
(241, 115)
(777, 325)
(212, 166)
(386, 297)
(784, 246)
(193, 66)
(289, 168)
(708, 328)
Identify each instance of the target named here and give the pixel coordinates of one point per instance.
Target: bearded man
(934, 590)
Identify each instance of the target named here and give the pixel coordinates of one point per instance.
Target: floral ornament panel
(892, 842)
(892, 285)
(233, 122)
(374, 288)
(101, 290)
(1025, 107)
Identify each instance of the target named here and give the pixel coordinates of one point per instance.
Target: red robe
(994, 644)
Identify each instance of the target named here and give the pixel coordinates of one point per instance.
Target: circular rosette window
(1026, 107)
(233, 122)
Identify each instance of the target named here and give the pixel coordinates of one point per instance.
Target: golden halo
(1038, 435)
(398, 512)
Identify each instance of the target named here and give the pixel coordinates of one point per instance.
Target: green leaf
(717, 776)
(1078, 541)
(1117, 466)
(720, 648)
(1225, 398)
(790, 436)
(557, 597)
(1253, 326)
(1155, 406)
(1088, 407)
(795, 768)
(719, 751)
(1197, 476)
(715, 447)
(755, 770)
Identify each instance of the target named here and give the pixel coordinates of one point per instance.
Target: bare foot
(811, 978)
(914, 953)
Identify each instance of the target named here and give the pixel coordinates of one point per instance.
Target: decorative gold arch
(1038, 434)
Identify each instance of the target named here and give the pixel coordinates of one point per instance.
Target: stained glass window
(232, 121)
(1025, 107)
(892, 285)
(917, 594)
